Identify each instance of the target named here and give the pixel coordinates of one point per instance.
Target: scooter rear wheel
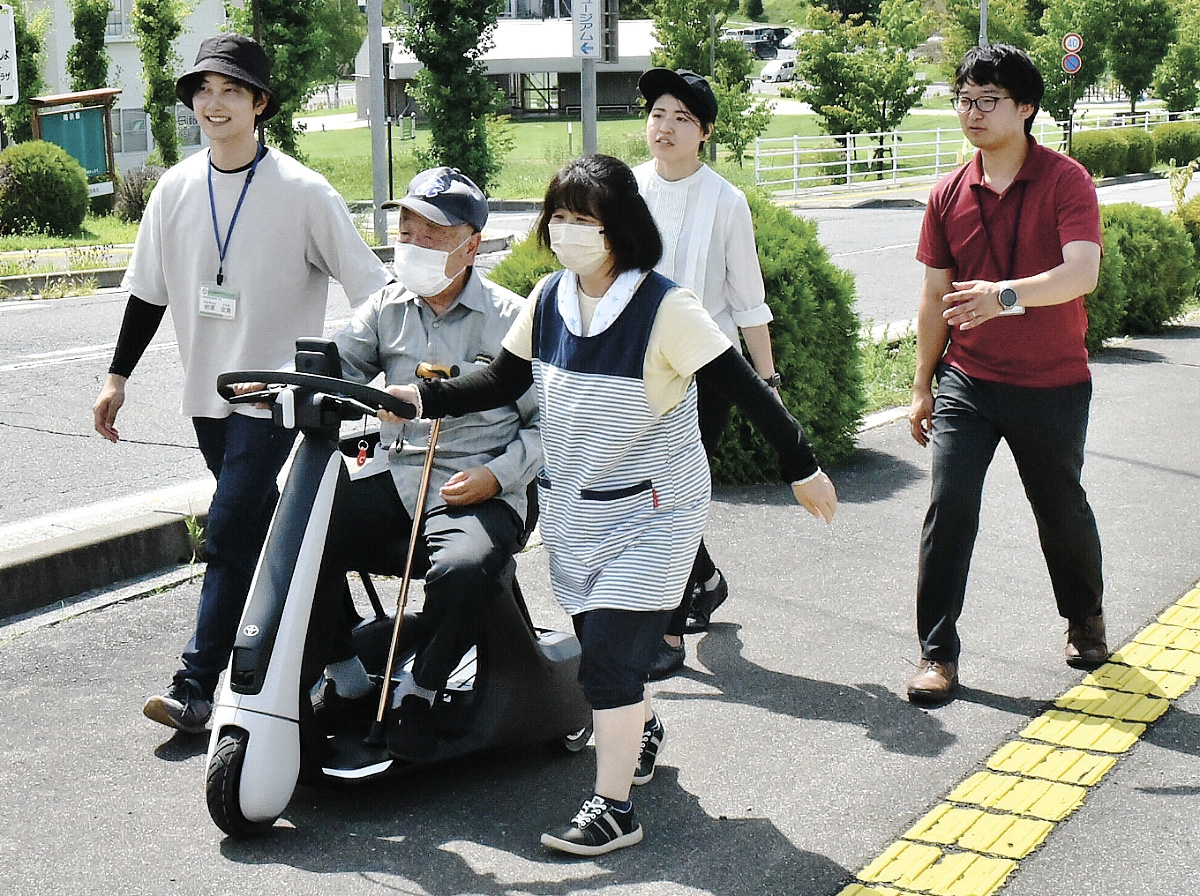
(223, 783)
(574, 743)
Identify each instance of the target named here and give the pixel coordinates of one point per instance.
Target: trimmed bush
(1178, 140)
(814, 336)
(42, 190)
(1102, 153)
(133, 191)
(1159, 269)
(1107, 302)
(1141, 150)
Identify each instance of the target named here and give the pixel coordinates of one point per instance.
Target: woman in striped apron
(615, 350)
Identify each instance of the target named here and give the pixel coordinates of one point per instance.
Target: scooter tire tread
(223, 782)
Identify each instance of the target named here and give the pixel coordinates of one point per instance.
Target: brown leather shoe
(1086, 647)
(934, 682)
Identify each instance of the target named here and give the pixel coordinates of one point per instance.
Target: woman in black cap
(708, 246)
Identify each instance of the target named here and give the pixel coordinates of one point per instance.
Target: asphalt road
(791, 758)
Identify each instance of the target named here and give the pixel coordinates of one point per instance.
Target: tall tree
(1009, 22)
(449, 38)
(30, 32)
(87, 59)
(309, 43)
(905, 22)
(1175, 81)
(1060, 17)
(156, 24)
(1140, 32)
(853, 78)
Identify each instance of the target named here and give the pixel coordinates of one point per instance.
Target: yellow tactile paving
(1009, 836)
(926, 869)
(1113, 704)
(1186, 615)
(1049, 800)
(1001, 815)
(1084, 732)
(1165, 659)
(1170, 635)
(1052, 763)
(1141, 681)
(863, 890)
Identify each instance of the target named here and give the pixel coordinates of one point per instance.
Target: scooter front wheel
(223, 783)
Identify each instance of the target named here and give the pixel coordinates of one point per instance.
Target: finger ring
(972, 315)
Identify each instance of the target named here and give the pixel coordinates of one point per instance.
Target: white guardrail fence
(858, 161)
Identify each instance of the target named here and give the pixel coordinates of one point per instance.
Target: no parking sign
(8, 57)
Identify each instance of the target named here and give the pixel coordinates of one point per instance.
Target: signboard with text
(8, 57)
(585, 17)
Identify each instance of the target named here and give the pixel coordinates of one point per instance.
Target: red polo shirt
(981, 235)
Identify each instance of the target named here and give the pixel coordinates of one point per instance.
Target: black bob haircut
(1006, 67)
(605, 188)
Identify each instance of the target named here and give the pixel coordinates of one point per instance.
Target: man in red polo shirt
(1010, 244)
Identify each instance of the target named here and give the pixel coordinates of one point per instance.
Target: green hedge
(1189, 216)
(1102, 153)
(814, 337)
(42, 190)
(1147, 275)
(1178, 140)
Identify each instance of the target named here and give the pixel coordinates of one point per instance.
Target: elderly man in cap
(446, 314)
(239, 241)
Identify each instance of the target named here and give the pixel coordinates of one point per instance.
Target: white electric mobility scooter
(517, 687)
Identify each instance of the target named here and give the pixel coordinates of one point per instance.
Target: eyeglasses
(982, 103)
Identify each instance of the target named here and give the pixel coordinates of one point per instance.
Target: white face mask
(580, 247)
(424, 270)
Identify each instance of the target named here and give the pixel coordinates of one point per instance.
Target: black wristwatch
(1008, 295)
(773, 380)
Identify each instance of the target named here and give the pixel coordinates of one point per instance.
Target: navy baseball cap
(688, 87)
(234, 56)
(444, 196)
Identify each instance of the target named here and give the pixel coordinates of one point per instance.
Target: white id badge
(219, 302)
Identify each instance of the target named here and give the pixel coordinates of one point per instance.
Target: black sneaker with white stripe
(652, 738)
(597, 828)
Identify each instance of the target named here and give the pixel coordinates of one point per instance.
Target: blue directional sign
(585, 18)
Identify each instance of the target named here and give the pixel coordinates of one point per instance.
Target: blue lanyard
(212, 204)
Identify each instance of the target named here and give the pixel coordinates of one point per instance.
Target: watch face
(1008, 297)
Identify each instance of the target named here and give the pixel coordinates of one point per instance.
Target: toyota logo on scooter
(250, 631)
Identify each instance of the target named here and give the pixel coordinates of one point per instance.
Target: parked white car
(778, 70)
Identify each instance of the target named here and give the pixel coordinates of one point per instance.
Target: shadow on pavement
(385, 835)
(867, 477)
(182, 746)
(883, 716)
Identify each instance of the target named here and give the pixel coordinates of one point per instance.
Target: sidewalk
(793, 765)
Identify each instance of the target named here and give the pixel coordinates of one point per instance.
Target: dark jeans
(617, 648)
(713, 411)
(1045, 430)
(461, 555)
(245, 455)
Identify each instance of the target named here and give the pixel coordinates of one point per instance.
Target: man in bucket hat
(239, 241)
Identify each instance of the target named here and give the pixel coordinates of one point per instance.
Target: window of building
(130, 130)
(117, 24)
(188, 126)
(539, 92)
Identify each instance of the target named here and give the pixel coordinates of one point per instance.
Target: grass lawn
(105, 230)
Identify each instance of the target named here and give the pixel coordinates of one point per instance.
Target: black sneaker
(180, 707)
(652, 738)
(333, 710)
(705, 604)
(597, 828)
(412, 734)
(667, 661)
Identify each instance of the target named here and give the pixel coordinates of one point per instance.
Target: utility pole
(983, 38)
(377, 116)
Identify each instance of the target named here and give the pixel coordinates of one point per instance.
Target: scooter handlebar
(372, 399)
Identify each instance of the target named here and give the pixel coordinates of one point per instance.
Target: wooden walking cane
(425, 371)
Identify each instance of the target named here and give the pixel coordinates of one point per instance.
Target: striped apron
(624, 494)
